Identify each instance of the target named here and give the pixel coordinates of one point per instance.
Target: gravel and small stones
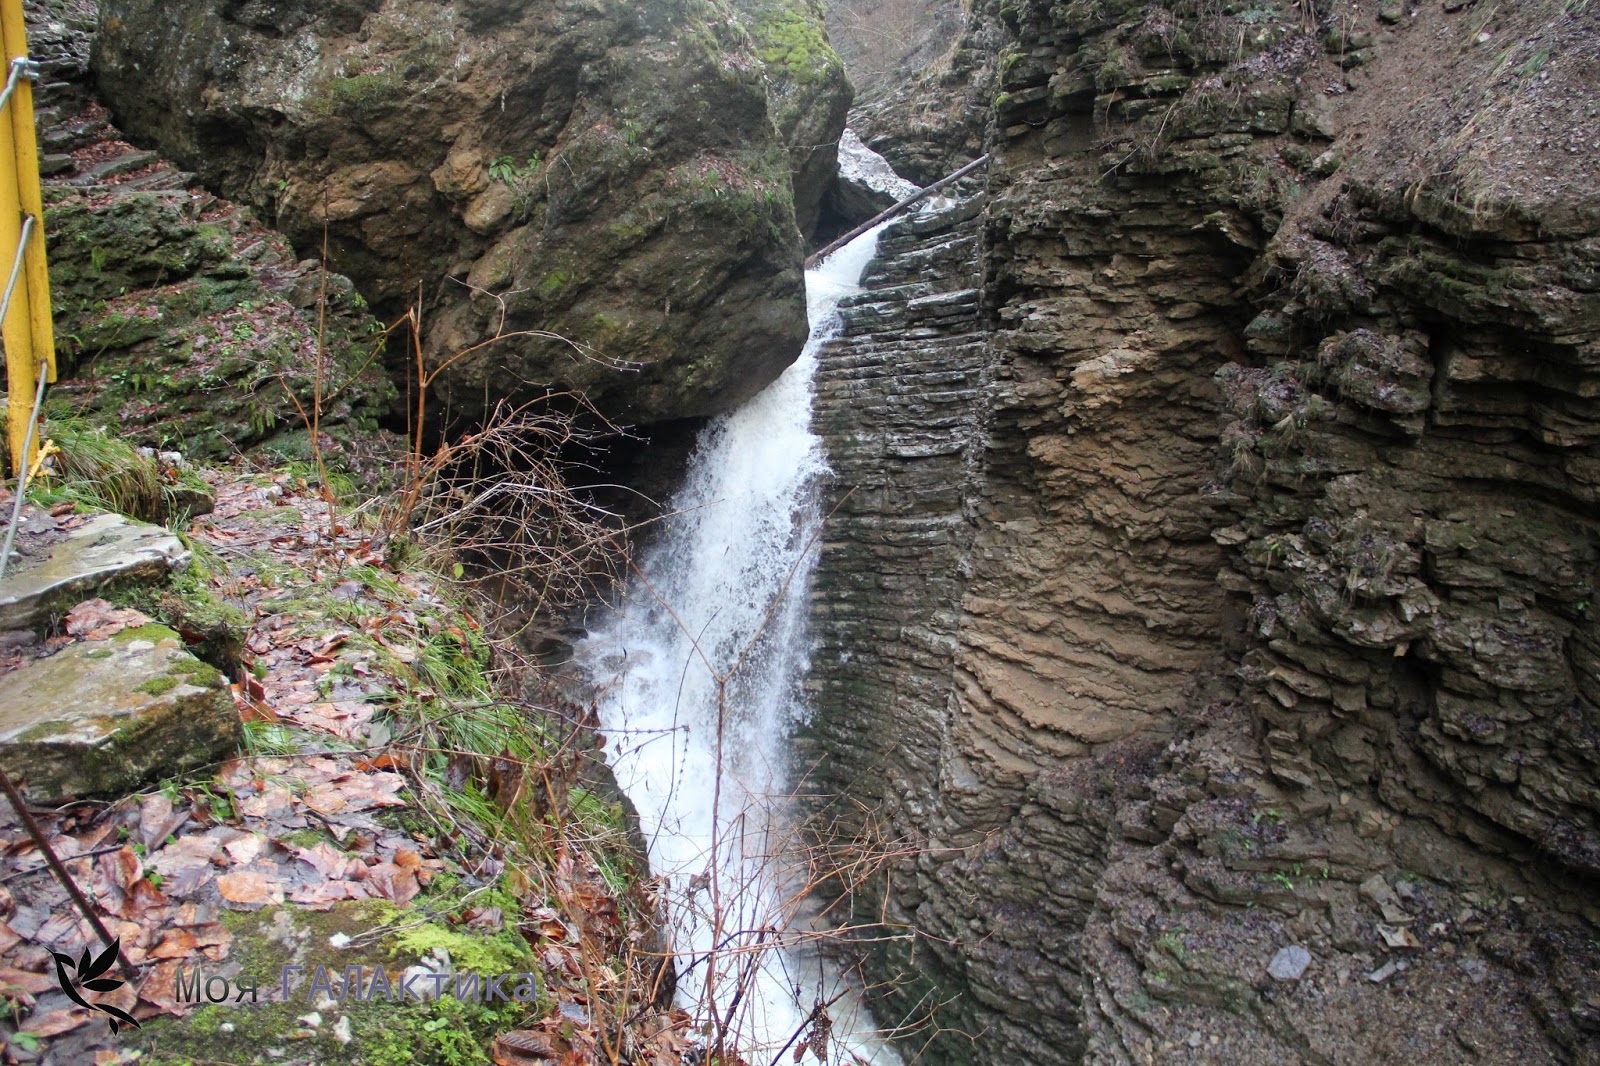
(1386, 971)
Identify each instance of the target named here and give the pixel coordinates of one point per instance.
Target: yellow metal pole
(28, 332)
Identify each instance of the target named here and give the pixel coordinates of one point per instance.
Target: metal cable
(38, 402)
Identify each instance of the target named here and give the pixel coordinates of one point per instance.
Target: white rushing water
(699, 675)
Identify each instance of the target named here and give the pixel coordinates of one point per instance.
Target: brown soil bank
(1230, 651)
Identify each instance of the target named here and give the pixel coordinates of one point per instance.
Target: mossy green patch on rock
(107, 716)
(809, 92)
(205, 335)
(157, 686)
(359, 97)
(443, 1032)
(790, 38)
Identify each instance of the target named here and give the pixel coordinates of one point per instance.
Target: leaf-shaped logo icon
(87, 972)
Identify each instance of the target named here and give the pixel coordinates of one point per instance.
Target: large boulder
(103, 717)
(809, 91)
(604, 170)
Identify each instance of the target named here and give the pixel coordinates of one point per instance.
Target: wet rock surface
(608, 172)
(1263, 614)
(929, 69)
(104, 717)
(69, 561)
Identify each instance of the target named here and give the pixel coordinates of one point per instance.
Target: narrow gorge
(1150, 620)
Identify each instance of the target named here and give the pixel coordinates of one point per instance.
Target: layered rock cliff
(1229, 658)
(608, 172)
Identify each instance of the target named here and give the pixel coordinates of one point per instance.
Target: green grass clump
(97, 470)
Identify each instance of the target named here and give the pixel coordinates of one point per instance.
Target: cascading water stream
(699, 678)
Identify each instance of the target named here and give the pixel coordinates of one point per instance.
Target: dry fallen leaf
(174, 944)
(14, 981)
(158, 993)
(252, 708)
(122, 888)
(392, 882)
(250, 888)
(324, 858)
(245, 849)
(98, 620)
(324, 894)
(523, 1048)
(56, 1022)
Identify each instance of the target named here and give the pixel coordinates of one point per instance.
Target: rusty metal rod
(67, 882)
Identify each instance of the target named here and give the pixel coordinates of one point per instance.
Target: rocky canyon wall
(1241, 607)
(624, 175)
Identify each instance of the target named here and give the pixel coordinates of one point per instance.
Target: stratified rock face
(901, 400)
(1246, 609)
(604, 170)
(1413, 459)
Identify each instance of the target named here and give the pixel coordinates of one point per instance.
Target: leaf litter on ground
(164, 866)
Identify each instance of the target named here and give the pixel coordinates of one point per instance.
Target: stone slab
(106, 716)
(104, 549)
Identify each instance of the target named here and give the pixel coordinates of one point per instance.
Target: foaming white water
(699, 679)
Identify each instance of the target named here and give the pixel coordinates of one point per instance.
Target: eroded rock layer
(1248, 711)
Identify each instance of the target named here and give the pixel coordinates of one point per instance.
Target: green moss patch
(201, 335)
(158, 686)
(446, 1032)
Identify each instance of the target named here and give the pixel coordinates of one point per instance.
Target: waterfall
(699, 675)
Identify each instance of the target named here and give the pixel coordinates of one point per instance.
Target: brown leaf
(158, 993)
(251, 708)
(186, 865)
(392, 882)
(56, 1022)
(324, 894)
(523, 1048)
(158, 821)
(122, 888)
(274, 802)
(175, 944)
(98, 620)
(250, 888)
(324, 858)
(12, 981)
(355, 792)
(211, 938)
(491, 918)
(244, 850)
(507, 782)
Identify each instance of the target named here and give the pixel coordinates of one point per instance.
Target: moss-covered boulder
(809, 92)
(103, 717)
(69, 564)
(606, 171)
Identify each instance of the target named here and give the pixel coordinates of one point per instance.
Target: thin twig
(62, 875)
